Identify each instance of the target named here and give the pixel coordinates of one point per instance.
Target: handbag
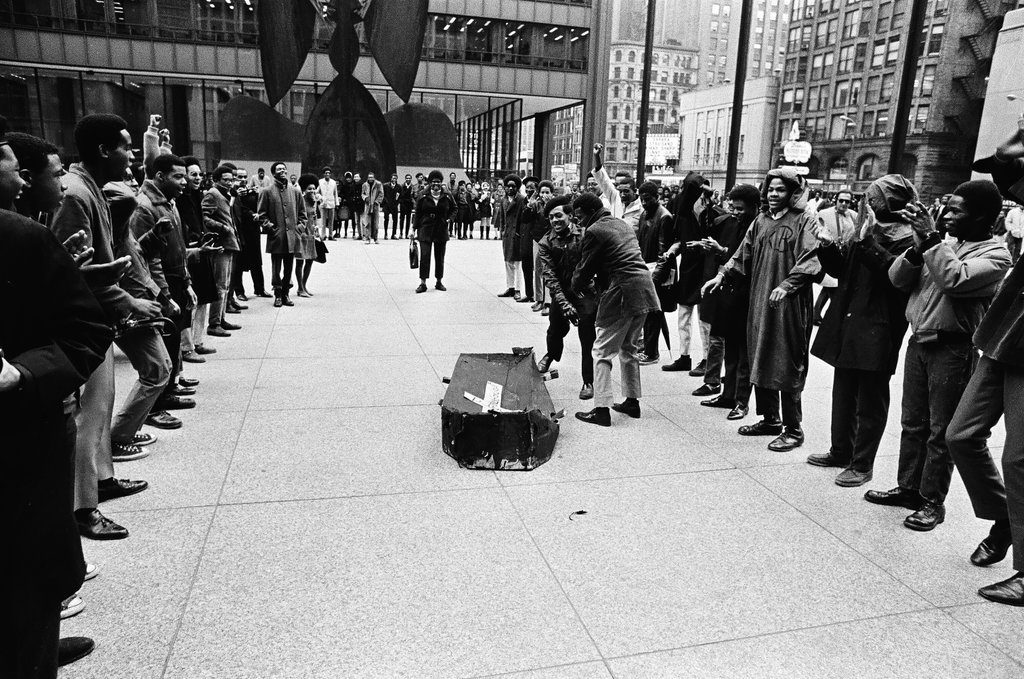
(414, 254)
(321, 252)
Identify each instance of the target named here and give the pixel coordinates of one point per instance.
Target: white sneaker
(71, 606)
(91, 571)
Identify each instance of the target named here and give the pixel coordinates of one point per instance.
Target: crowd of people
(149, 256)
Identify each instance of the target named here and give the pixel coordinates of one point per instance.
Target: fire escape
(981, 46)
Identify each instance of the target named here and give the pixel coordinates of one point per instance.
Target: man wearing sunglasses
(840, 224)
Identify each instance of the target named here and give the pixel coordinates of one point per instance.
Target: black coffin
(508, 422)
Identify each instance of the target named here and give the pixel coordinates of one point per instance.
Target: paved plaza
(305, 523)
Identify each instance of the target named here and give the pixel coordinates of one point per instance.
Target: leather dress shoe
(440, 286)
(179, 390)
(699, 369)
(191, 382)
(761, 428)
(739, 411)
(851, 478)
(537, 306)
(229, 326)
(70, 649)
(161, 419)
(511, 292)
(240, 307)
(111, 489)
(242, 298)
(217, 332)
(205, 351)
(192, 357)
(232, 310)
(93, 525)
(897, 497)
(303, 293)
(278, 302)
(930, 515)
(587, 392)
(707, 390)
(787, 440)
(826, 460)
(264, 293)
(990, 551)
(175, 403)
(544, 364)
(719, 402)
(1009, 591)
(681, 364)
(598, 416)
(524, 299)
(422, 287)
(287, 301)
(630, 407)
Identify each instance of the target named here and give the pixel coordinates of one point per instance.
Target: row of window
(880, 90)
(841, 126)
(627, 114)
(680, 60)
(890, 14)
(656, 95)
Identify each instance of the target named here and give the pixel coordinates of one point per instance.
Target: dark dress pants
(792, 406)
(439, 249)
(31, 620)
(653, 324)
(403, 221)
(736, 383)
(528, 274)
(281, 277)
(934, 378)
(994, 391)
(860, 408)
(558, 328)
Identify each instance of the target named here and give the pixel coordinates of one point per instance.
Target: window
(661, 116)
(935, 40)
(632, 56)
(821, 34)
(794, 40)
(615, 112)
(789, 75)
(716, 9)
(714, 27)
(920, 122)
(874, 89)
(618, 55)
(696, 152)
(838, 127)
(866, 168)
(629, 94)
(613, 132)
(878, 54)
(833, 31)
(726, 11)
(867, 124)
(813, 99)
(846, 59)
(854, 92)
(615, 92)
(629, 113)
(824, 98)
(817, 65)
(928, 80)
(610, 151)
(898, 11)
(830, 59)
(798, 101)
(893, 52)
(617, 73)
(888, 85)
(842, 97)
(851, 24)
(883, 16)
(860, 56)
(629, 74)
(882, 123)
(838, 168)
(663, 95)
(787, 101)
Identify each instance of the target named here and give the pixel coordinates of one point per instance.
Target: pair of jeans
(715, 359)
(92, 447)
(768, 401)
(222, 276)
(618, 339)
(148, 355)
(934, 378)
(558, 328)
(281, 275)
(995, 390)
(860, 408)
(439, 249)
(686, 314)
(736, 383)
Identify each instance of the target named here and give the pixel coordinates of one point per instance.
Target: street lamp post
(850, 167)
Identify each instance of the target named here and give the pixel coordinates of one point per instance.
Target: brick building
(841, 81)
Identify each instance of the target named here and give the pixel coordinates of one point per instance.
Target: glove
(570, 313)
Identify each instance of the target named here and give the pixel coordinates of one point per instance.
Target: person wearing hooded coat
(777, 257)
(691, 269)
(863, 328)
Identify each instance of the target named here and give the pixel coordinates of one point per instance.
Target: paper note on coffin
(497, 413)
